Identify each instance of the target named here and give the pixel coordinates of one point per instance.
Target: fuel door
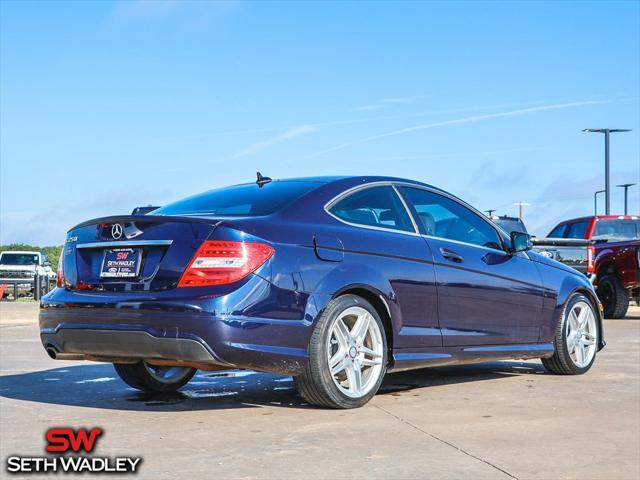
(327, 248)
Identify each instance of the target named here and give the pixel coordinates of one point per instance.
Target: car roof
(336, 178)
(599, 217)
(355, 179)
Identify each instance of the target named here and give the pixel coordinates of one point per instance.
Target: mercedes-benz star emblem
(116, 231)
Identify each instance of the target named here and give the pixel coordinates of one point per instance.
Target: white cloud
(289, 134)
(470, 119)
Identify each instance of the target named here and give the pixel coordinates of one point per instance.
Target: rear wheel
(151, 378)
(613, 296)
(576, 339)
(347, 355)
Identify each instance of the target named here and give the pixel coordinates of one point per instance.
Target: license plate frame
(121, 263)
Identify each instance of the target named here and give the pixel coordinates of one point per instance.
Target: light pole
(521, 206)
(626, 187)
(607, 186)
(595, 202)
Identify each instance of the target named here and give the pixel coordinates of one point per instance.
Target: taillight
(219, 262)
(60, 272)
(591, 264)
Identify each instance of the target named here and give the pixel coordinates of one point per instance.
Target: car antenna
(261, 181)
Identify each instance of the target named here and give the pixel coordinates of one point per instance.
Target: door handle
(451, 255)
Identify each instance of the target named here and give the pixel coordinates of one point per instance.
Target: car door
(486, 296)
(380, 238)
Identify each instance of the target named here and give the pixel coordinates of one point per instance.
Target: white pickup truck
(23, 265)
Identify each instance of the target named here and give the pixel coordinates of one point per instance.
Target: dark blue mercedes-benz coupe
(334, 280)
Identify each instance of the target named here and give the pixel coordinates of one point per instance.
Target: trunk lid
(132, 253)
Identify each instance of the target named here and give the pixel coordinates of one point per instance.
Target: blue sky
(105, 106)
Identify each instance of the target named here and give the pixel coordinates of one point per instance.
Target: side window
(617, 229)
(375, 207)
(558, 232)
(445, 218)
(576, 229)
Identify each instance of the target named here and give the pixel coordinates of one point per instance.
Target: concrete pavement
(498, 420)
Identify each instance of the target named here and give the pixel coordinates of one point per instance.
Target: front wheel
(614, 297)
(347, 355)
(152, 378)
(576, 339)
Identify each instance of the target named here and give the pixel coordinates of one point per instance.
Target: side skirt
(408, 359)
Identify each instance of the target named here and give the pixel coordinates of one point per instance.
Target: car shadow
(98, 386)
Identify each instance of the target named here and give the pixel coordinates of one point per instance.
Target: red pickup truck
(612, 261)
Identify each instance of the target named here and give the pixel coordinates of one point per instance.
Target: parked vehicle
(333, 280)
(23, 265)
(509, 224)
(612, 261)
(570, 251)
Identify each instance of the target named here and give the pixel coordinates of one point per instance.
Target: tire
(613, 296)
(317, 384)
(149, 378)
(563, 362)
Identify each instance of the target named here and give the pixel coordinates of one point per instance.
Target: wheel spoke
(341, 332)
(355, 378)
(336, 362)
(371, 353)
(571, 342)
(338, 367)
(583, 317)
(579, 354)
(573, 320)
(361, 327)
(587, 340)
(370, 362)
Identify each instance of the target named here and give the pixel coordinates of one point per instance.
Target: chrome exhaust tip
(52, 351)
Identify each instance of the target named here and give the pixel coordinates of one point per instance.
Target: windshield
(241, 200)
(18, 259)
(511, 225)
(617, 230)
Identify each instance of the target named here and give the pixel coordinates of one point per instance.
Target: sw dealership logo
(69, 441)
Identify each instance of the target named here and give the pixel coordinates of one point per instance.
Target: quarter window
(445, 218)
(376, 207)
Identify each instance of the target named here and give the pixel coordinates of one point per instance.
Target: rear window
(617, 230)
(240, 200)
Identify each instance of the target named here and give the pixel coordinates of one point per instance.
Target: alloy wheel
(581, 334)
(355, 352)
(167, 374)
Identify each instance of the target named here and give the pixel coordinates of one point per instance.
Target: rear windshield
(240, 200)
(617, 230)
(18, 259)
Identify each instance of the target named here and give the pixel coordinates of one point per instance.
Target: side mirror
(520, 242)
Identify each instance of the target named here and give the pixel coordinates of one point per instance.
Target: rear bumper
(124, 344)
(241, 329)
